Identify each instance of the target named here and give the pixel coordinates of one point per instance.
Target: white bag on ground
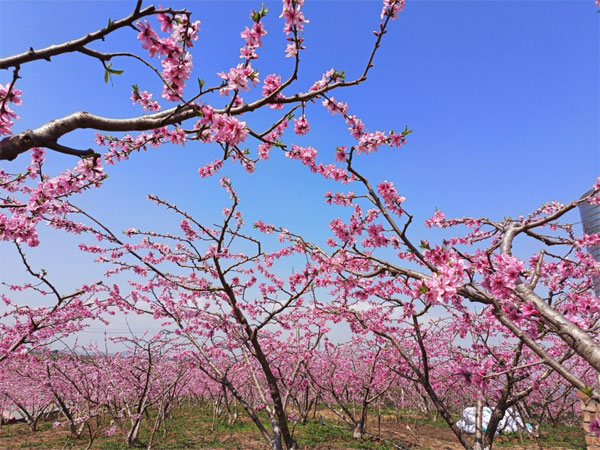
(510, 423)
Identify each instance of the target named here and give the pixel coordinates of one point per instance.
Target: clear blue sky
(503, 98)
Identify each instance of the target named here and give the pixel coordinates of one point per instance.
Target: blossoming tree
(236, 307)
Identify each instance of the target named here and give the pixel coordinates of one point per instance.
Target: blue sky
(503, 98)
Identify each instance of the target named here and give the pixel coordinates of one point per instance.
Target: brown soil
(405, 432)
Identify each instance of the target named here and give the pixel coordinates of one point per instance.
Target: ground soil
(405, 432)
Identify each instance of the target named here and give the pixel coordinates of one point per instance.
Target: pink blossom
(340, 153)
(210, 168)
(595, 424)
(437, 220)
(301, 125)
(146, 35)
(6, 113)
(253, 37)
(238, 78)
(391, 197)
(271, 84)
(391, 8)
(144, 98)
(166, 22)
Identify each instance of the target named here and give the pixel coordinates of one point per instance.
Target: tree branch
(76, 44)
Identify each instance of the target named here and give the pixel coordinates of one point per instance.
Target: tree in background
(216, 286)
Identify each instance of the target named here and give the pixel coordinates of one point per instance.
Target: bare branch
(77, 44)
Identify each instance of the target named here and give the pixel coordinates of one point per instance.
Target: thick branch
(571, 333)
(76, 44)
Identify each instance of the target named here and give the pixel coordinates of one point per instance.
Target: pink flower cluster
(335, 107)
(475, 376)
(253, 37)
(328, 77)
(271, 84)
(437, 220)
(45, 199)
(442, 285)
(503, 279)
(222, 128)
(238, 78)
(294, 24)
(211, 168)
(391, 198)
(177, 63)
(339, 198)
(367, 141)
(595, 424)
(120, 148)
(18, 227)
(308, 156)
(184, 31)
(144, 98)
(8, 95)
(391, 8)
(272, 137)
(301, 125)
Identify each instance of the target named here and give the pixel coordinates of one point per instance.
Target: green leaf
(257, 15)
(110, 23)
(201, 84)
(406, 131)
(341, 75)
(423, 289)
(115, 72)
(106, 75)
(424, 245)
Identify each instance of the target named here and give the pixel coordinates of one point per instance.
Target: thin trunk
(478, 445)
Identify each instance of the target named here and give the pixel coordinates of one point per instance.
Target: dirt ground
(416, 435)
(405, 433)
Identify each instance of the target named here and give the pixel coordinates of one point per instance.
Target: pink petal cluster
(301, 125)
(391, 198)
(222, 128)
(308, 157)
(8, 95)
(238, 78)
(391, 8)
(144, 98)
(253, 37)
(176, 62)
(326, 79)
(120, 148)
(271, 84)
(595, 424)
(45, 200)
(504, 277)
(210, 168)
(265, 147)
(294, 24)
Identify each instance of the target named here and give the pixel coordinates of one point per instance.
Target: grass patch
(190, 427)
